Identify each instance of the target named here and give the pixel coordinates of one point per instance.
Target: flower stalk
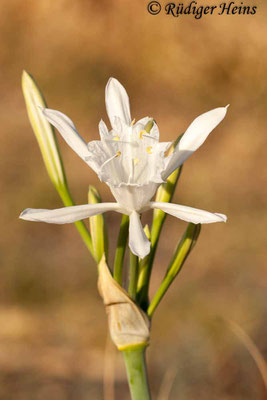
(120, 249)
(80, 225)
(164, 194)
(97, 227)
(133, 275)
(181, 253)
(135, 363)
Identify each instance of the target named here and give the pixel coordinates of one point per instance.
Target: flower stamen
(141, 134)
(110, 159)
(147, 135)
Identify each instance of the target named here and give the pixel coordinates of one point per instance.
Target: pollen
(141, 134)
(118, 153)
(133, 122)
(116, 138)
(136, 161)
(149, 149)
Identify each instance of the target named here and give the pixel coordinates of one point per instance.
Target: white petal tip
(117, 102)
(141, 253)
(112, 79)
(138, 241)
(228, 105)
(223, 218)
(145, 251)
(24, 214)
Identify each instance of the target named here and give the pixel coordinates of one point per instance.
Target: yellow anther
(141, 134)
(149, 149)
(133, 122)
(136, 161)
(118, 153)
(116, 138)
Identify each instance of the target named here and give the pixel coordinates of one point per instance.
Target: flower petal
(67, 215)
(194, 137)
(189, 214)
(138, 241)
(133, 196)
(103, 130)
(68, 131)
(117, 102)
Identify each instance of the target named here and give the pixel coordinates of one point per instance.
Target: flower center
(131, 156)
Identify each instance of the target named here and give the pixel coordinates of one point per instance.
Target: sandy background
(52, 323)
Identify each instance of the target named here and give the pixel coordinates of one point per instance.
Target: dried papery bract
(128, 324)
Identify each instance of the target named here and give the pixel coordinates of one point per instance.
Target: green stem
(182, 251)
(164, 194)
(133, 276)
(134, 359)
(120, 251)
(85, 235)
(143, 284)
(80, 225)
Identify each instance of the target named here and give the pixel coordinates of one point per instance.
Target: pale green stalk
(46, 138)
(80, 225)
(98, 227)
(133, 275)
(134, 359)
(120, 250)
(182, 251)
(144, 262)
(164, 194)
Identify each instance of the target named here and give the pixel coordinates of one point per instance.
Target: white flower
(131, 161)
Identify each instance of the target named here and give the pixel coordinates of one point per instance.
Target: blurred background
(53, 336)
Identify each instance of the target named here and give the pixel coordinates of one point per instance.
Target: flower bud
(44, 132)
(147, 232)
(128, 324)
(149, 125)
(97, 227)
